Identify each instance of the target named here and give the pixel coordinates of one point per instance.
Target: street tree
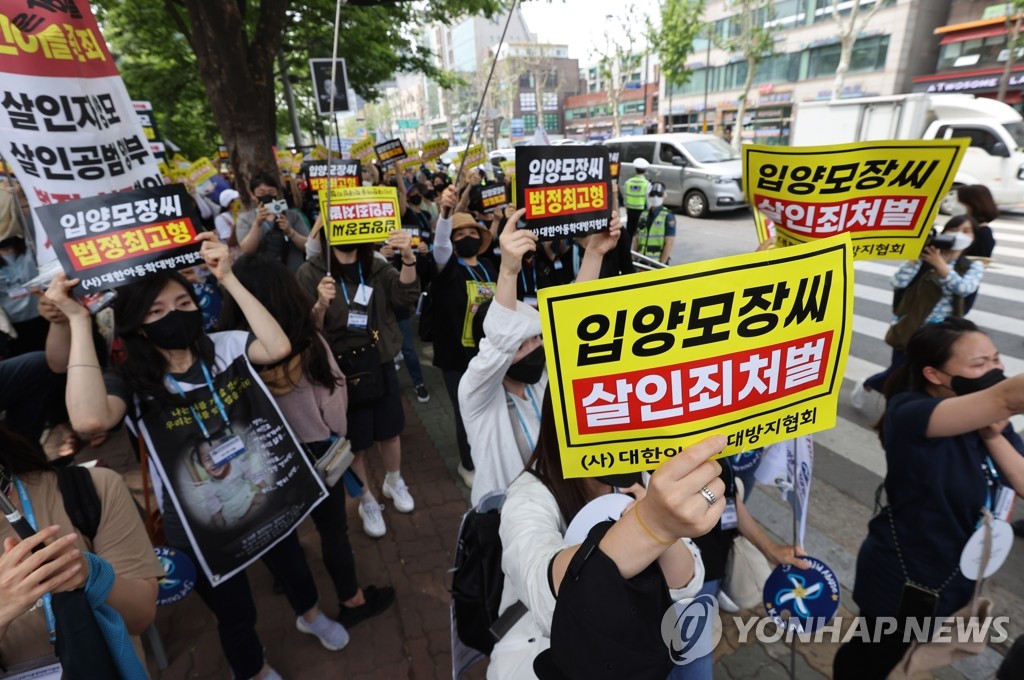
(673, 40)
(530, 68)
(1014, 43)
(848, 28)
(619, 56)
(234, 45)
(754, 42)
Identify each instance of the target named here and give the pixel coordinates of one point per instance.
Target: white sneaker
(726, 604)
(859, 396)
(332, 635)
(398, 492)
(373, 519)
(468, 476)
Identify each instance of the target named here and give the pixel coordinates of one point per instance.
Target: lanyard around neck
(216, 400)
(344, 284)
(472, 273)
(526, 289)
(532, 442)
(30, 517)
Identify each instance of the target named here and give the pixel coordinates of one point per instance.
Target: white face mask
(656, 201)
(367, 184)
(962, 241)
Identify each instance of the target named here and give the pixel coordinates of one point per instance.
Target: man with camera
(272, 228)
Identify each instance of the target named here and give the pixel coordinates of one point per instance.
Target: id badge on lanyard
(477, 292)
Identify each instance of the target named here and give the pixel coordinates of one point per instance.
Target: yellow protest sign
(200, 171)
(284, 161)
(359, 214)
(434, 148)
(296, 167)
(471, 157)
(362, 149)
(884, 194)
(509, 168)
(413, 161)
(752, 347)
(319, 153)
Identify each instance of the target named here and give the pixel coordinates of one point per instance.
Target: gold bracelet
(85, 366)
(636, 511)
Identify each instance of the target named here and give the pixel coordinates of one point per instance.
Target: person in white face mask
(930, 289)
(656, 228)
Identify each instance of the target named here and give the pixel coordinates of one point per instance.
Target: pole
(328, 255)
(289, 97)
(707, 81)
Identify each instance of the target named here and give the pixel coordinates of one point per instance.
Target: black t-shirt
(450, 302)
(936, 488)
(716, 544)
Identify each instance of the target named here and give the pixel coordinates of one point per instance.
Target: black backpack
(477, 580)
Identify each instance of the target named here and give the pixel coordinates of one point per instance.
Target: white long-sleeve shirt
(532, 532)
(491, 415)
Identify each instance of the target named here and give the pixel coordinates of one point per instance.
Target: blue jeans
(412, 360)
(700, 669)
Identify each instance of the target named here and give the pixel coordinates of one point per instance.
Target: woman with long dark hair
(951, 456)
(651, 566)
(120, 547)
(309, 388)
(362, 330)
(159, 320)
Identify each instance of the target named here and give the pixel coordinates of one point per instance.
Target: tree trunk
(238, 76)
(1011, 53)
(846, 42)
(741, 112)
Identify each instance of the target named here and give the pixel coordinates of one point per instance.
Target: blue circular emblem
(179, 575)
(810, 596)
(746, 461)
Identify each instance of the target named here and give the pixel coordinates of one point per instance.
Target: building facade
(973, 53)
(531, 84)
(589, 116)
(895, 46)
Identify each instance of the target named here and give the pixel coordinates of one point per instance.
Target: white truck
(994, 159)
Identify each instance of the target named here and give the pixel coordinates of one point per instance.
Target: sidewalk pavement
(412, 639)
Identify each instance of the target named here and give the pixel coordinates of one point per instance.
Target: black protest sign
(390, 152)
(613, 160)
(493, 197)
(327, 88)
(236, 505)
(115, 239)
(344, 173)
(565, 190)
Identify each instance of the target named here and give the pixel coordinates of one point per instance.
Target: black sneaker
(377, 600)
(421, 394)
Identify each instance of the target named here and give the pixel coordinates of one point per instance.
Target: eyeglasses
(656, 194)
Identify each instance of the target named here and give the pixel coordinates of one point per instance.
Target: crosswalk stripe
(995, 322)
(877, 329)
(1002, 226)
(997, 268)
(1002, 237)
(988, 290)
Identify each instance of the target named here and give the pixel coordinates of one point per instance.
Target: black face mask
(431, 195)
(467, 246)
(415, 200)
(348, 247)
(962, 385)
(176, 330)
(529, 369)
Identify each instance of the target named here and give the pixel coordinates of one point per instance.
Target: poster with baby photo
(232, 467)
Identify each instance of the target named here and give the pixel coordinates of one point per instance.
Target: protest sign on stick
(752, 347)
(360, 215)
(390, 152)
(884, 194)
(343, 174)
(566, 190)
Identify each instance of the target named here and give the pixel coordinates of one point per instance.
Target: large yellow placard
(752, 347)
(359, 214)
(884, 194)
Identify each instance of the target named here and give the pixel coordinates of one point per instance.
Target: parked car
(701, 173)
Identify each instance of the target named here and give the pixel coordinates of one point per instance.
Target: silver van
(701, 173)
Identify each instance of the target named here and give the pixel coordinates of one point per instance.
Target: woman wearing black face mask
(463, 283)
(951, 456)
(166, 355)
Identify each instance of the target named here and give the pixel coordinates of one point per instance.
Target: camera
(277, 207)
(941, 241)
